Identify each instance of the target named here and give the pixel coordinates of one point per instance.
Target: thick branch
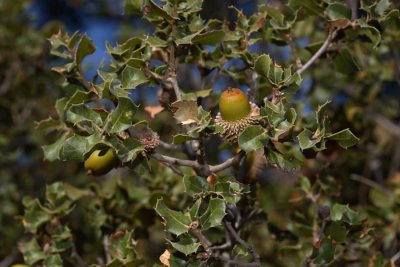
(321, 50)
(195, 164)
(227, 164)
(176, 161)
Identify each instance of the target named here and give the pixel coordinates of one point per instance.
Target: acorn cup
(236, 112)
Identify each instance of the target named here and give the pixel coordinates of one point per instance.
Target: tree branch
(321, 50)
(227, 163)
(176, 161)
(240, 241)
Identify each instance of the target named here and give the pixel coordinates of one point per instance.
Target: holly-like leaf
(253, 138)
(81, 112)
(34, 215)
(336, 231)
(262, 65)
(307, 140)
(186, 244)
(32, 252)
(132, 77)
(122, 246)
(74, 148)
(84, 48)
(176, 222)
(52, 152)
(214, 214)
(122, 117)
(130, 149)
(345, 138)
(195, 185)
(323, 252)
(340, 212)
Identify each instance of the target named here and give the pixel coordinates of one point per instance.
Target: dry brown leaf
(165, 258)
(153, 110)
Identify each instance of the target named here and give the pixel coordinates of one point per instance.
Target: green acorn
(101, 161)
(235, 113)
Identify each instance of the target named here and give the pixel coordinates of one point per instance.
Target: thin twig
(370, 183)
(321, 50)
(105, 246)
(395, 257)
(8, 260)
(386, 123)
(239, 240)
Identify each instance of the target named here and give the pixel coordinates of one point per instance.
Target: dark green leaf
(122, 117)
(253, 138)
(195, 185)
(85, 47)
(345, 138)
(214, 214)
(177, 223)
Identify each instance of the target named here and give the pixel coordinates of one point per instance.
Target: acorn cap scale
(234, 105)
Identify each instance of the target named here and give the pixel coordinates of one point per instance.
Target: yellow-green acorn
(234, 105)
(235, 113)
(101, 161)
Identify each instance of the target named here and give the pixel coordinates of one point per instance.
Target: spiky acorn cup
(235, 114)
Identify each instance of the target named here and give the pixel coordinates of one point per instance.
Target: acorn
(236, 112)
(101, 161)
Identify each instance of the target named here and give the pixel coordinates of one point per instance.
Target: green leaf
(177, 223)
(338, 11)
(32, 252)
(121, 246)
(214, 214)
(343, 213)
(186, 111)
(186, 244)
(285, 162)
(53, 260)
(382, 7)
(381, 199)
(155, 10)
(209, 38)
(194, 210)
(181, 138)
(231, 191)
(52, 152)
(122, 117)
(194, 95)
(262, 65)
(80, 113)
(306, 139)
(345, 62)
(34, 215)
(253, 138)
(85, 47)
(308, 5)
(130, 149)
(324, 253)
(132, 7)
(195, 185)
(336, 231)
(345, 138)
(74, 148)
(132, 77)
